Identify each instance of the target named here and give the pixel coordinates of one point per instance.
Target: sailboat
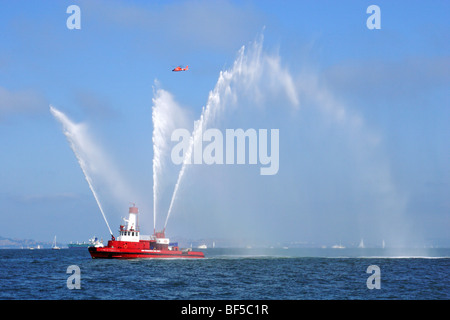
(361, 244)
(54, 246)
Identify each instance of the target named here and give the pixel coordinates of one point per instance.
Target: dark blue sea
(229, 274)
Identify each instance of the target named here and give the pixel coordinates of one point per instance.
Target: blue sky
(385, 160)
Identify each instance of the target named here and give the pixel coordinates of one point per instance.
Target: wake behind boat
(131, 244)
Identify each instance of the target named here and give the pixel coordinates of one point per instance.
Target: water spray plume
(167, 115)
(259, 80)
(73, 133)
(246, 78)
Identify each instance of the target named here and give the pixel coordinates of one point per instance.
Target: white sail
(361, 244)
(55, 247)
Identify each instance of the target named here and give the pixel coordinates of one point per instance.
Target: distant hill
(8, 243)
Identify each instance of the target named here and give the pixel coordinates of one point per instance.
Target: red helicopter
(179, 68)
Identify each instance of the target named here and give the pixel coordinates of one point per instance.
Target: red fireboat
(131, 244)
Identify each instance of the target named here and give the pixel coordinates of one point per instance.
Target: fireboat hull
(114, 253)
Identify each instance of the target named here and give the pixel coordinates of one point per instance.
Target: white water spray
(166, 116)
(156, 139)
(74, 133)
(247, 78)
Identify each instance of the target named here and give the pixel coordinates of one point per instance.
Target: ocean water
(229, 274)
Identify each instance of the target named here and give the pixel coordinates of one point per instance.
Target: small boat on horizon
(54, 246)
(361, 244)
(94, 241)
(338, 246)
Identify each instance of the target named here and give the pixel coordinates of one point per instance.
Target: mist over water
(359, 197)
(334, 184)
